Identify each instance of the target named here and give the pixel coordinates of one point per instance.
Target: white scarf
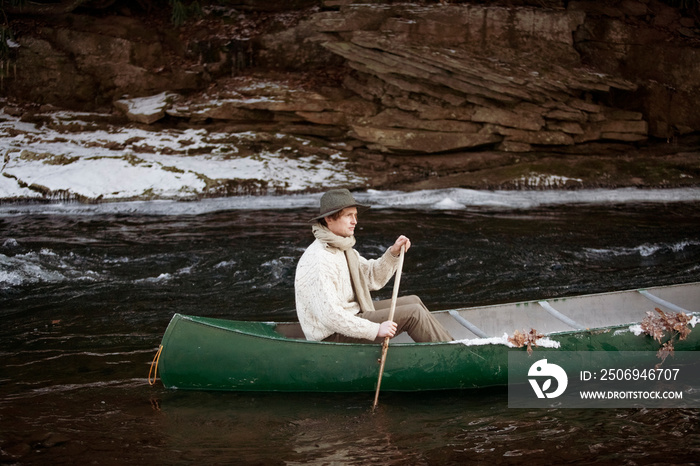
(345, 244)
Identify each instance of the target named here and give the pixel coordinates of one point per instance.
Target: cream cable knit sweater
(325, 299)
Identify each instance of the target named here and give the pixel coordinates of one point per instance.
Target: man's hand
(400, 241)
(387, 329)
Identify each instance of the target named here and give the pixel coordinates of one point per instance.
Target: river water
(87, 291)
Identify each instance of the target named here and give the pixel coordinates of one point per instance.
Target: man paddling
(333, 284)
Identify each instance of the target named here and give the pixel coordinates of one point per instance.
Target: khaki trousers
(411, 316)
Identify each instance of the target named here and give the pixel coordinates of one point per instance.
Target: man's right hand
(387, 329)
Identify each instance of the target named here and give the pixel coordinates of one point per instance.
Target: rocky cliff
(485, 84)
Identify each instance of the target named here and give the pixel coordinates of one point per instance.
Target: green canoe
(200, 353)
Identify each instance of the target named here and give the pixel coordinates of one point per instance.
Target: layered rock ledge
(420, 85)
(413, 95)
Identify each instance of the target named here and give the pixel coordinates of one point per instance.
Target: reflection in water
(443, 428)
(85, 299)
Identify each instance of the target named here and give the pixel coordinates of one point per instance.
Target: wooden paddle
(385, 346)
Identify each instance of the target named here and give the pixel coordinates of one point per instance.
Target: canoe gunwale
(212, 322)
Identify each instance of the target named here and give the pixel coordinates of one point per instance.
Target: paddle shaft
(385, 345)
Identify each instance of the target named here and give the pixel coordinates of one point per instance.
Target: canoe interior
(594, 311)
(589, 311)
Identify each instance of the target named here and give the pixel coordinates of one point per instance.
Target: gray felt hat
(336, 200)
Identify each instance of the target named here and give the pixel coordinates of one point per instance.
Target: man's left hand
(400, 241)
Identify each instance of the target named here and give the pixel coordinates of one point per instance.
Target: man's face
(344, 225)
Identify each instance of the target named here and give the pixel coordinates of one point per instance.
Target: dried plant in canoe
(525, 338)
(657, 326)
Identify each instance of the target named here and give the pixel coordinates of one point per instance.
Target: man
(333, 284)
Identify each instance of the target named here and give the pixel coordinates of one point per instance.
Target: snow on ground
(539, 180)
(67, 156)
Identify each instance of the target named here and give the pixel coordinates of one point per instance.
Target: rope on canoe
(154, 367)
